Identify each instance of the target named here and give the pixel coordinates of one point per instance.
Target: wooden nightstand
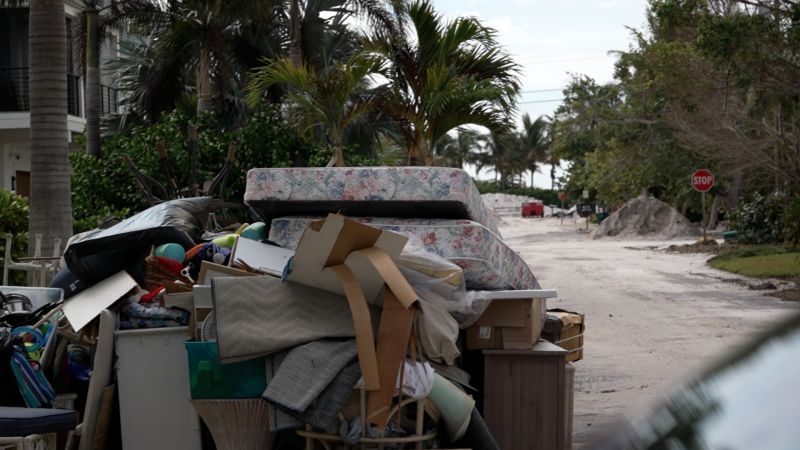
(524, 397)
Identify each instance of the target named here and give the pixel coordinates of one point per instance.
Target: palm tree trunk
(552, 177)
(295, 43)
(204, 81)
(418, 154)
(338, 154)
(50, 203)
(92, 94)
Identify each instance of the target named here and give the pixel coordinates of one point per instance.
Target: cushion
(20, 422)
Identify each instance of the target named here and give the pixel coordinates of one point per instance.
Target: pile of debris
(646, 217)
(355, 334)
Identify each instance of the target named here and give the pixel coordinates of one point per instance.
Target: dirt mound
(646, 217)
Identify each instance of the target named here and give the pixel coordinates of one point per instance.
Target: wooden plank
(103, 416)
(393, 338)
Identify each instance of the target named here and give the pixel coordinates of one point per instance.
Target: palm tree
(445, 75)
(155, 68)
(331, 99)
(50, 203)
(92, 27)
(458, 151)
(505, 152)
(201, 42)
(535, 139)
(554, 161)
(317, 38)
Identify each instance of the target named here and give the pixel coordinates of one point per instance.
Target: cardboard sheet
(388, 272)
(266, 258)
(84, 306)
(362, 325)
(394, 336)
(331, 242)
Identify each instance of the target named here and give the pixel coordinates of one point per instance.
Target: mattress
(488, 263)
(411, 192)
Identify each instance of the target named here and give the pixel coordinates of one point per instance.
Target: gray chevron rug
(258, 316)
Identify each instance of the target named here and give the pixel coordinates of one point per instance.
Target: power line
(541, 101)
(533, 63)
(541, 90)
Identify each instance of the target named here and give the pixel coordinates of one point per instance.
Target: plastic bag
(432, 276)
(441, 282)
(101, 253)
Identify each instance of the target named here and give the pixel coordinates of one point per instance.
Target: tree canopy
(707, 83)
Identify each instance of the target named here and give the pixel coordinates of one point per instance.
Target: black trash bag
(68, 282)
(98, 254)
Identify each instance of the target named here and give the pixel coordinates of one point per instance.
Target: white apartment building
(14, 101)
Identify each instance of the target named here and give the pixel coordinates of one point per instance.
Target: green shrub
(105, 186)
(759, 221)
(14, 220)
(791, 222)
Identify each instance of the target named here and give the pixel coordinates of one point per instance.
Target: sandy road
(652, 317)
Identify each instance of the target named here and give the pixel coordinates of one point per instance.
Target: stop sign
(702, 180)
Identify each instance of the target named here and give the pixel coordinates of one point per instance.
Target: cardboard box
(507, 324)
(336, 241)
(565, 329)
(209, 271)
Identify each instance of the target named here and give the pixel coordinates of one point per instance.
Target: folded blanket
(323, 412)
(306, 371)
(298, 392)
(257, 316)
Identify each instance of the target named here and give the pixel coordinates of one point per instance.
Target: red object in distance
(533, 209)
(702, 180)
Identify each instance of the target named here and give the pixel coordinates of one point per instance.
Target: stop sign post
(702, 181)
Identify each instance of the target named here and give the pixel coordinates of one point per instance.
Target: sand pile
(646, 217)
(505, 204)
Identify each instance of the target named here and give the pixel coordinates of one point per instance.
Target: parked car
(748, 400)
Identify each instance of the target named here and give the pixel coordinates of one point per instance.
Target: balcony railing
(15, 92)
(14, 89)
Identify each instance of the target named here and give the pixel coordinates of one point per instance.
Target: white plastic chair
(10, 264)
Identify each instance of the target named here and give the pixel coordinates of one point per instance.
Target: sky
(552, 39)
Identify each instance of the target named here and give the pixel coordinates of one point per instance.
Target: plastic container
(208, 378)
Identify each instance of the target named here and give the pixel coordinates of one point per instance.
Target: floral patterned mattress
(488, 263)
(412, 192)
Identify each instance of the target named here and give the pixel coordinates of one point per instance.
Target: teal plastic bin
(208, 378)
